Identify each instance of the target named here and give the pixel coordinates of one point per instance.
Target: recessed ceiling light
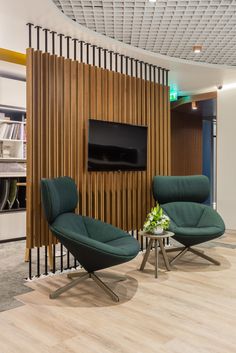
(152, 0)
(197, 49)
(194, 106)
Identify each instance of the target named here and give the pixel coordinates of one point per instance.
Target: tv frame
(117, 170)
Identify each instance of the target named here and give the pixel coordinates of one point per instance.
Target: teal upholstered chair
(192, 222)
(96, 245)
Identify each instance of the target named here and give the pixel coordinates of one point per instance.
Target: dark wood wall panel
(186, 144)
(61, 96)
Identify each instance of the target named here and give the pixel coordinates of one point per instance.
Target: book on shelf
(14, 167)
(3, 130)
(24, 151)
(11, 131)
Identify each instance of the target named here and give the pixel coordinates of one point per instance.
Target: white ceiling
(167, 27)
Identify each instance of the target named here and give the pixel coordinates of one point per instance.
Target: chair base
(183, 251)
(80, 277)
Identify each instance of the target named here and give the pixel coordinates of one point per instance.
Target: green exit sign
(173, 96)
(173, 93)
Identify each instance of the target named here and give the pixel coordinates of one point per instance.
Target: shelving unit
(12, 134)
(12, 173)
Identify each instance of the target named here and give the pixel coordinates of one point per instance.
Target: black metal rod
(136, 67)
(68, 46)
(121, 63)
(38, 36)
(163, 76)
(159, 74)
(145, 72)
(46, 260)
(131, 67)
(53, 41)
(38, 262)
(105, 58)
(68, 259)
(141, 69)
(94, 56)
(46, 30)
(116, 62)
(81, 51)
(126, 65)
(54, 258)
(61, 257)
(60, 35)
(99, 56)
(30, 25)
(74, 262)
(111, 52)
(150, 72)
(167, 78)
(87, 44)
(75, 48)
(30, 264)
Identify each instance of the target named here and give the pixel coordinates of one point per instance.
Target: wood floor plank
(191, 309)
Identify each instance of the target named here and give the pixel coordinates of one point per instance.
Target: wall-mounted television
(116, 147)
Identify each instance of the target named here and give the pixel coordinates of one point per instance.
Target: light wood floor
(189, 310)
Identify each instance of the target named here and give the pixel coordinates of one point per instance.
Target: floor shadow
(86, 294)
(193, 263)
(189, 262)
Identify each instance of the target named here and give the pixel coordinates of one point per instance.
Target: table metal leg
(164, 255)
(146, 255)
(156, 258)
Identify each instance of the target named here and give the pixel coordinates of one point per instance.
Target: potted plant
(157, 222)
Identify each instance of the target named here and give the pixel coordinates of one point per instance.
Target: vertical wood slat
(69, 94)
(29, 132)
(39, 240)
(53, 117)
(44, 125)
(100, 176)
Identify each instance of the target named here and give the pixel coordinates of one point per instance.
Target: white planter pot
(158, 230)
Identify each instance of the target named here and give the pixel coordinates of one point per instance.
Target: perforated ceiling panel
(168, 27)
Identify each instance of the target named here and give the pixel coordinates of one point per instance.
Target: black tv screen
(116, 147)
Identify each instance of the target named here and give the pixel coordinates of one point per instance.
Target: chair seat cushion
(93, 236)
(193, 223)
(194, 236)
(128, 245)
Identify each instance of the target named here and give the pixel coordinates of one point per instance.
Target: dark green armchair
(96, 245)
(192, 222)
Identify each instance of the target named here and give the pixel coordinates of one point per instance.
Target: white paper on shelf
(12, 169)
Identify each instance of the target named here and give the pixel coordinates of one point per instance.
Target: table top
(166, 234)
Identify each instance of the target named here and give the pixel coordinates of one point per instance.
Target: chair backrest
(59, 196)
(194, 188)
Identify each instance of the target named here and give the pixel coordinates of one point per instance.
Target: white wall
(12, 225)
(12, 92)
(226, 156)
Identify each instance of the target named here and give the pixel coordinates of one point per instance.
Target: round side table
(154, 240)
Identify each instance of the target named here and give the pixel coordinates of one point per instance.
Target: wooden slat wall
(61, 96)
